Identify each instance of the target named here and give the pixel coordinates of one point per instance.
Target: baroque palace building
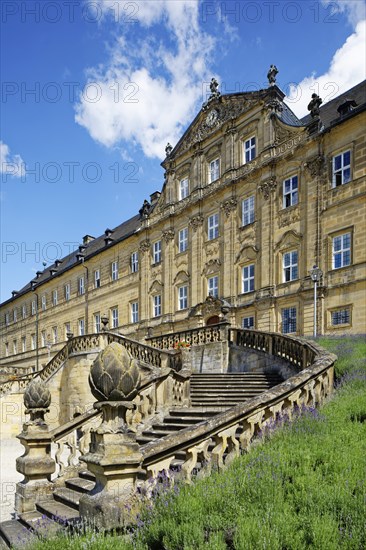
(252, 199)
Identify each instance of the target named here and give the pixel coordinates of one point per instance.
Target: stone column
(36, 464)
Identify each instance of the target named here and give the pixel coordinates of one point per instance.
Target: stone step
(195, 411)
(68, 496)
(182, 420)
(236, 376)
(40, 524)
(80, 484)
(175, 427)
(85, 474)
(228, 390)
(58, 511)
(14, 533)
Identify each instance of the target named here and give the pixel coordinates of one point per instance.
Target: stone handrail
(200, 335)
(218, 440)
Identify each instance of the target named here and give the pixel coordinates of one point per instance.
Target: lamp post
(315, 274)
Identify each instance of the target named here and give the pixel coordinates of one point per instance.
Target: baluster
(225, 440)
(199, 451)
(58, 460)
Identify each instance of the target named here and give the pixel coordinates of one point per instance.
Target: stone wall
(248, 360)
(210, 357)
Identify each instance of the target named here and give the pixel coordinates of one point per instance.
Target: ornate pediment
(284, 132)
(291, 239)
(247, 253)
(156, 287)
(181, 277)
(212, 266)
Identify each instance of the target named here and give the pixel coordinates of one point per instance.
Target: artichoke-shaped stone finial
(37, 395)
(114, 375)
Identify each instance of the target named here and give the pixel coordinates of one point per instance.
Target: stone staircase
(210, 395)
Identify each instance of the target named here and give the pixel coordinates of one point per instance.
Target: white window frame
(81, 327)
(342, 174)
(182, 297)
(55, 297)
(67, 289)
(24, 311)
(248, 281)
(249, 149)
(114, 317)
(344, 252)
(33, 342)
(43, 339)
(6, 349)
(134, 312)
(97, 282)
(183, 188)
(134, 262)
(15, 347)
(290, 191)
(7, 319)
(248, 210)
(213, 286)
(33, 307)
(15, 315)
(97, 322)
(67, 329)
(24, 344)
(291, 314)
(214, 170)
(44, 302)
(248, 322)
(81, 286)
(157, 252)
(55, 335)
(213, 226)
(157, 305)
(114, 270)
(290, 261)
(183, 240)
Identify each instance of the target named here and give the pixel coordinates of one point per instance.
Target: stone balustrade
(192, 337)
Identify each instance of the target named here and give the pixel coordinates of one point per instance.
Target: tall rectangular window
(213, 227)
(54, 297)
(6, 349)
(248, 278)
(24, 344)
(114, 313)
(81, 286)
(15, 347)
(290, 192)
(183, 188)
(247, 322)
(249, 149)
(97, 322)
(248, 214)
(213, 286)
(24, 311)
(134, 262)
(341, 250)
(114, 271)
(341, 168)
(67, 291)
(290, 268)
(81, 326)
(97, 278)
(214, 170)
(43, 338)
(67, 329)
(7, 318)
(183, 297)
(134, 312)
(157, 252)
(33, 307)
(55, 335)
(157, 305)
(43, 302)
(289, 320)
(183, 240)
(15, 315)
(33, 341)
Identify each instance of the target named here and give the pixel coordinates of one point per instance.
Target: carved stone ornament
(267, 187)
(282, 133)
(168, 235)
(316, 165)
(212, 266)
(195, 222)
(229, 206)
(286, 217)
(314, 106)
(37, 395)
(145, 246)
(271, 75)
(114, 375)
(212, 248)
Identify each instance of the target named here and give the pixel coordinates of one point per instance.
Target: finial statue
(168, 149)
(271, 75)
(145, 209)
(314, 105)
(214, 87)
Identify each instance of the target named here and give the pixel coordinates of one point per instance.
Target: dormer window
(183, 188)
(249, 152)
(214, 170)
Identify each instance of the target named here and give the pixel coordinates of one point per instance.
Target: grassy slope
(304, 489)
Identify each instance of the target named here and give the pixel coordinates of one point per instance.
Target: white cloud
(354, 9)
(10, 165)
(148, 92)
(346, 69)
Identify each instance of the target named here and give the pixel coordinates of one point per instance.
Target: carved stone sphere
(37, 395)
(114, 375)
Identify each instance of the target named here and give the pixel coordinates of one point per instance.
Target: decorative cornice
(195, 222)
(267, 187)
(229, 206)
(315, 165)
(168, 235)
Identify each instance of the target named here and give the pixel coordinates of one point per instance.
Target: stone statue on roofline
(271, 75)
(214, 85)
(314, 106)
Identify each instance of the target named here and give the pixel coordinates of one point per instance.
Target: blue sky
(92, 90)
